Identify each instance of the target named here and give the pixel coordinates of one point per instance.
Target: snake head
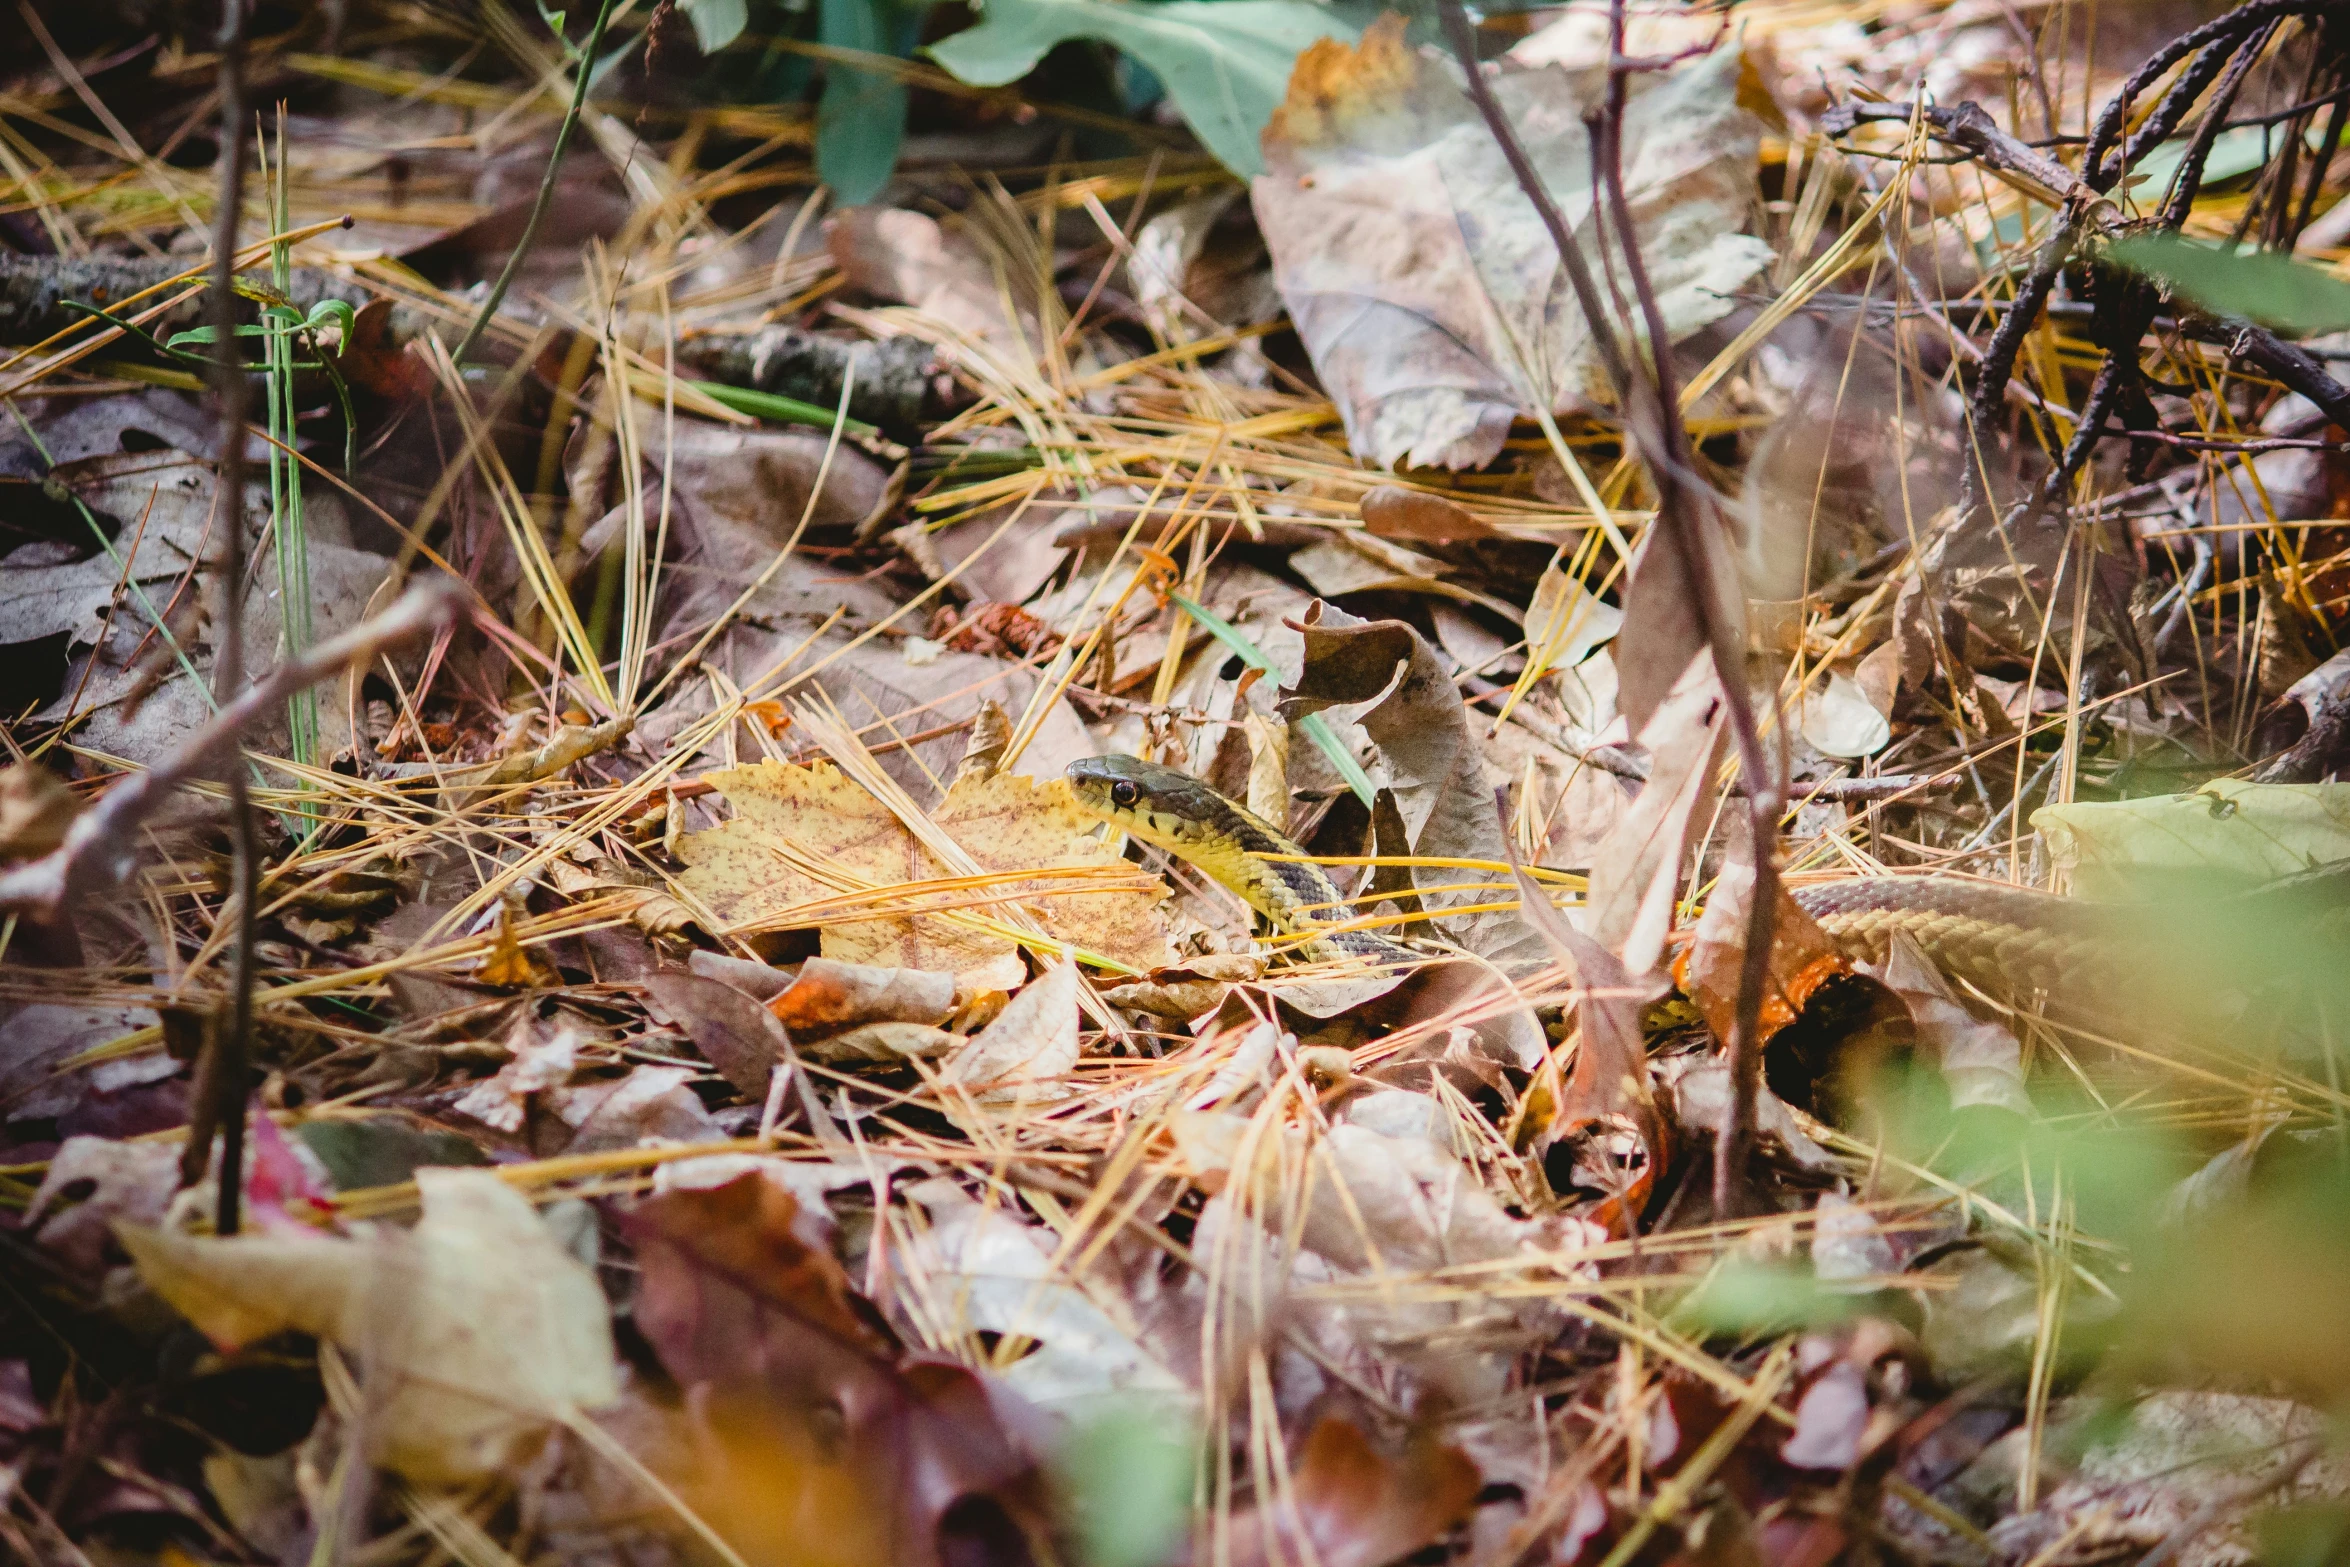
(1117, 786)
(1156, 803)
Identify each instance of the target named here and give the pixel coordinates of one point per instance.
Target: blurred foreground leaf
(2271, 289)
(1128, 1472)
(861, 119)
(2228, 830)
(479, 1329)
(717, 23)
(1226, 64)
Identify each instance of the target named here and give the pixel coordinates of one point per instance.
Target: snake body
(1176, 812)
(2082, 956)
(2003, 938)
(2009, 940)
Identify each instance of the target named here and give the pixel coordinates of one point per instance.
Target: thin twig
(1683, 505)
(1652, 416)
(1459, 32)
(228, 654)
(546, 195)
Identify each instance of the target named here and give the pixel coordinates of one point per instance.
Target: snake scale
(2009, 940)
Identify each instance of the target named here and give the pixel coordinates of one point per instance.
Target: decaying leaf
(1413, 713)
(1424, 285)
(1566, 622)
(1356, 1506)
(936, 268)
(829, 996)
(1839, 719)
(649, 1104)
(35, 810)
(805, 835)
(635, 893)
(476, 1331)
(1701, 1102)
(1637, 871)
(1398, 1204)
(539, 1063)
(117, 1182)
(827, 1445)
(1981, 1061)
(1032, 1044)
(509, 963)
(125, 679)
(1802, 959)
(1604, 1099)
(1393, 512)
(733, 1032)
(1192, 988)
(995, 1274)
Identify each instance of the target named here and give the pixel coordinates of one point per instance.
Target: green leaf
(1313, 726)
(336, 311)
(2233, 154)
(1225, 62)
(2276, 291)
(382, 1151)
(717, 23)
(1127, 1473)
(205, 334)
(2228, 830)
(1744, 1297)
(861, 118)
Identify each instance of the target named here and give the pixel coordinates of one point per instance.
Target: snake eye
(1125, 792)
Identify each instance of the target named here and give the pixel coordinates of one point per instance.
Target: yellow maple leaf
(804, 836)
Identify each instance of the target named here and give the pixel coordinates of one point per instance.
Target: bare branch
(97, 851)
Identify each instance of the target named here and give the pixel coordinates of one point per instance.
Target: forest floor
(559, 999)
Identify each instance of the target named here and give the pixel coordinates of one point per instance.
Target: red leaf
(1358, 1506)
(827, 1445)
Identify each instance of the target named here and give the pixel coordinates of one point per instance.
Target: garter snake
(2004, 938)
(1176, 812)
(2015, 941)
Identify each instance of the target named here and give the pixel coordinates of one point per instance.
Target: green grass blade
(1312, 726)
(776, 407)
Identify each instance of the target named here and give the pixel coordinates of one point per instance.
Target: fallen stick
(99, 848)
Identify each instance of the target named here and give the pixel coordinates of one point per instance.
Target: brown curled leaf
(830, 996)
(824, 1442)
(1357, 1506)
(1601, 1109)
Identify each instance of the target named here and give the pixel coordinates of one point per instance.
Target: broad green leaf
(1225, 62)
(2261, 286)
(717, 23)
(2233, 154)
(861, 119)
(1127, 1473)
(2227, 831)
